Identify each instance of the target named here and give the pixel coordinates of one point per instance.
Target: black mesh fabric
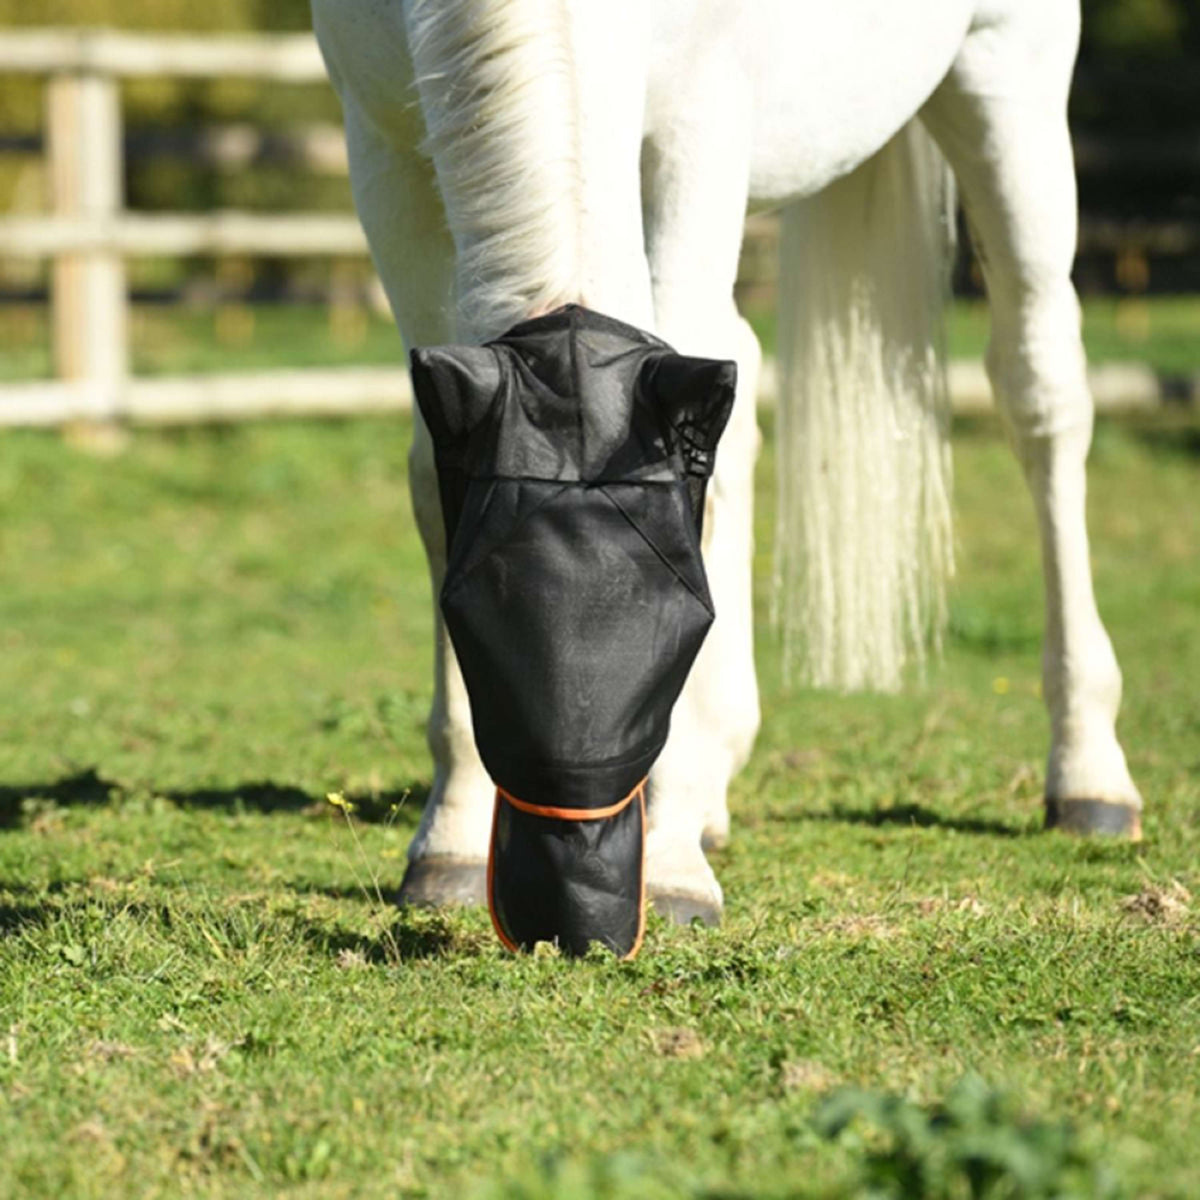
(572, 456)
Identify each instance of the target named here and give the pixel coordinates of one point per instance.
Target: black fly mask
(572, 458)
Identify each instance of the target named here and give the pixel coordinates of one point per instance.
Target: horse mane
(497, 93)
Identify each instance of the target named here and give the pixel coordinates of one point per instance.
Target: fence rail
(226, 232)
(282, 57)
(89, 235)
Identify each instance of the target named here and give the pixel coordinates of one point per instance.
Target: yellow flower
(1000, 685)
(340, 801)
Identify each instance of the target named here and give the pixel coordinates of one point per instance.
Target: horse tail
(863, 538)
(496, 91)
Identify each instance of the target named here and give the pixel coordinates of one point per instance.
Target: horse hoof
(440, 881)
(682, 908)
(1106, 817)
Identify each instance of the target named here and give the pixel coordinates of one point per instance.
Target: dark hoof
(680, 908)
(440, 882)
(1095, 816)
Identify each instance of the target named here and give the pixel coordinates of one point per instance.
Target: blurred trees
(1139, 67)
(1135, 114)
(1139, 26)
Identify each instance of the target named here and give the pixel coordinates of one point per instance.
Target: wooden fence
(89, 234)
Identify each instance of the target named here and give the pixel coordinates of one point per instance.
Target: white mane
(497, 91)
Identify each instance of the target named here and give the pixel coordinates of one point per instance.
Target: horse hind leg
(1000, 118)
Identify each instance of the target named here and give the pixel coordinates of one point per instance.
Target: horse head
(572, 454)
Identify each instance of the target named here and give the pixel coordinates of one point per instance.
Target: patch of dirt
(111, 887)
(831, 880)
(677, 1042)
(106, 1051)
(858, 926)
(803, 760)
(199, 1060)
(970, 906)
(1159, 905)
(92, 1130)
(805, 1075)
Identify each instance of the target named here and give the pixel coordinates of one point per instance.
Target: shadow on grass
(86, 788)
(917, 816)
(400, 805)
(89, 788)
(410, 934)
(73, 903)
(411, 937)
(365, 893)
(1179, 438)
(15, 917)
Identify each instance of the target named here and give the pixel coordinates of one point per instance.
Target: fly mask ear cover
(572, 457)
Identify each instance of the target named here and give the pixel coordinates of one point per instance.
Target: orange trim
(639, 792)
(570, 814)
(509, 944)
(641, 930)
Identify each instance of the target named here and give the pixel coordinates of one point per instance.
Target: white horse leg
(696, 198)
(400, 209)
(447, 860)
(1000, 117)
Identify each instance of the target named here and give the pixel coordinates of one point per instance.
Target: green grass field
(202, 993)
(1163, 331)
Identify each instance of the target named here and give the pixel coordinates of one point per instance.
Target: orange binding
(552, 812)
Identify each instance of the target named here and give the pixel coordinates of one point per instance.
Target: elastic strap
(570, 814)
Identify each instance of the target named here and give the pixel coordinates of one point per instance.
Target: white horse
(508, 156)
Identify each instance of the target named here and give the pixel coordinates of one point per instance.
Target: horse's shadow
(402, 805)
(85, 788)
(916, 816)
(88, 788)
(18, 914)
(409, 937)
(406, 939)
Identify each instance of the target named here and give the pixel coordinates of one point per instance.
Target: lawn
(203, 990)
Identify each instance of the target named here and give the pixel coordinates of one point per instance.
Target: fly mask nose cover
(572, 457)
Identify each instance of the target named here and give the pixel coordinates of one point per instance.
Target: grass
(166, 339)
(1163, 331)
(202, 993)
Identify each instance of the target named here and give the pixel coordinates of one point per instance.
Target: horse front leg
(447, 859)
(695, 185)
(401, 210)
(1001, 118)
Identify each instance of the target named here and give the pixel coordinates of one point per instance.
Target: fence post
(83, 123)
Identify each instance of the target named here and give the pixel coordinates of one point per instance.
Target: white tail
(864, 542)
